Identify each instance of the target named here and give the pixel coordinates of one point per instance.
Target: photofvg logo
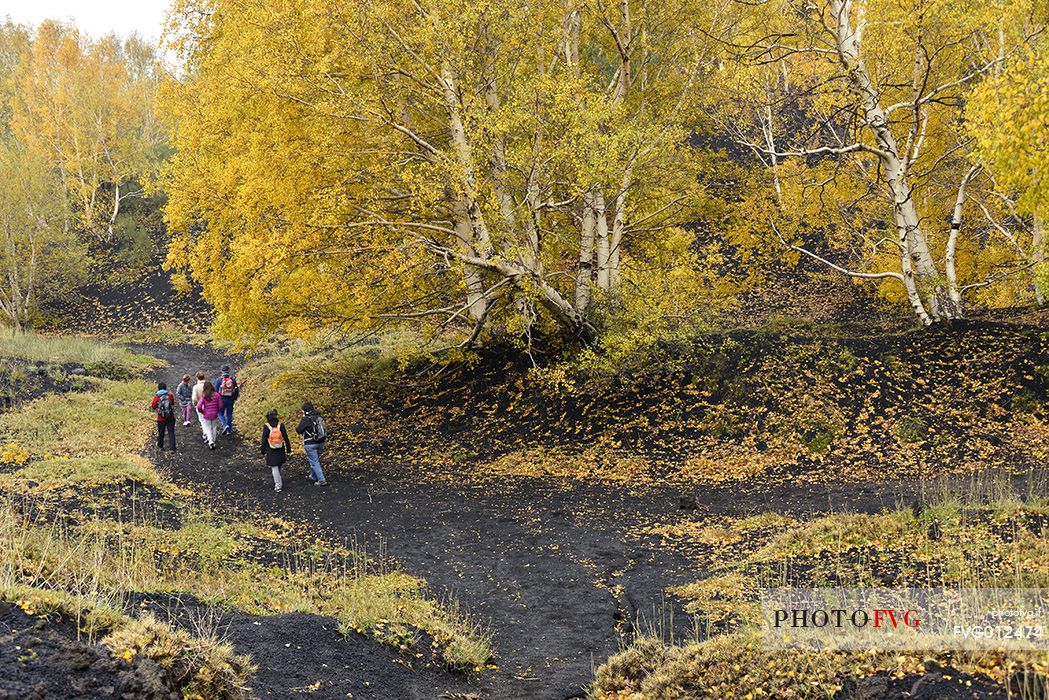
(905, 618)
(841, 617)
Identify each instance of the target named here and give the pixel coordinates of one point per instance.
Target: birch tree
(87, 107)
(876, 110)
(1008, 117)
(465, 164)
(39, 259)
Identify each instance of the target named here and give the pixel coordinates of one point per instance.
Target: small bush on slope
(201, 666)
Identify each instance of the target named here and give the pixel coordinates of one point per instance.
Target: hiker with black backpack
(275, 447)
(227, 387)
(314, 434)
(164, 406)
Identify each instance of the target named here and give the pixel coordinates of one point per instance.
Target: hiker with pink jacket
(209, 407)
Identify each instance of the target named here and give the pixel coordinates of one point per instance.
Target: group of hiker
(213, 403)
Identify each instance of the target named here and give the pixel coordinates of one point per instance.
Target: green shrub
(912, 430)
(107, 369)
(821, 441)
(1026, 401)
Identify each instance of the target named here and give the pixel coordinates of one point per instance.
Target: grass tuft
(72, 350)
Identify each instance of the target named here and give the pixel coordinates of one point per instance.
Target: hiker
(275, 447)
(227, 387)
(314, 433)
(163, 405)
(184, 392)
(198, 391)
(210, 408)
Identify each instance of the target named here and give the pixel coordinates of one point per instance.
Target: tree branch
(828, 263)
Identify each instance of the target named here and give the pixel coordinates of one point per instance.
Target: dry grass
(87, 440)
(71, 350)
(737, 666)
(111, 419)
(49, 571)
(83, 439)
(992, 538)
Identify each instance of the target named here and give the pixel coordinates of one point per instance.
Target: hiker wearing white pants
(198, 391)
(208, 407)
(211, 431)
(275, 447)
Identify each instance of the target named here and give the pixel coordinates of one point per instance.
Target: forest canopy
(492, 165)
(556, 169)
(473, 164)
(79, 138)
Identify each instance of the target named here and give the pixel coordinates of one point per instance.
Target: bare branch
(932, 94)
(828, 263)
(996, 277)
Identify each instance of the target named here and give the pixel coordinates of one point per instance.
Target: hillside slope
(786, 406)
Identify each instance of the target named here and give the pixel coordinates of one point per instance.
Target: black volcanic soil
(937, 683)
(556, 569)
(299, 653)
(537, 563)
(551, 568)
(128, 304)
(42, 659)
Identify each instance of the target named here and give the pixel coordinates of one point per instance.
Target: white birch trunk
(499, 183)
(116, 209)
(848, 41)
(476, 303)
(1038, 259)
(585, 273)
(618, 229)
(907, 270)
(601, 236)
(950, 258)
(467, 176)
(770, 144)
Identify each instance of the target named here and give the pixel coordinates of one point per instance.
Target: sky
(96, 17)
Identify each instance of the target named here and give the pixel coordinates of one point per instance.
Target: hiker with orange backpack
(275, 447)
(227, 387)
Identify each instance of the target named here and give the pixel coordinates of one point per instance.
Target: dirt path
(552, 569)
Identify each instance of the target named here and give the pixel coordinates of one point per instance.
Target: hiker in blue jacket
(227, 387)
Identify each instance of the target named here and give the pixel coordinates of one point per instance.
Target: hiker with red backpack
(163, 405)
(226, 386)
(275, 447)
